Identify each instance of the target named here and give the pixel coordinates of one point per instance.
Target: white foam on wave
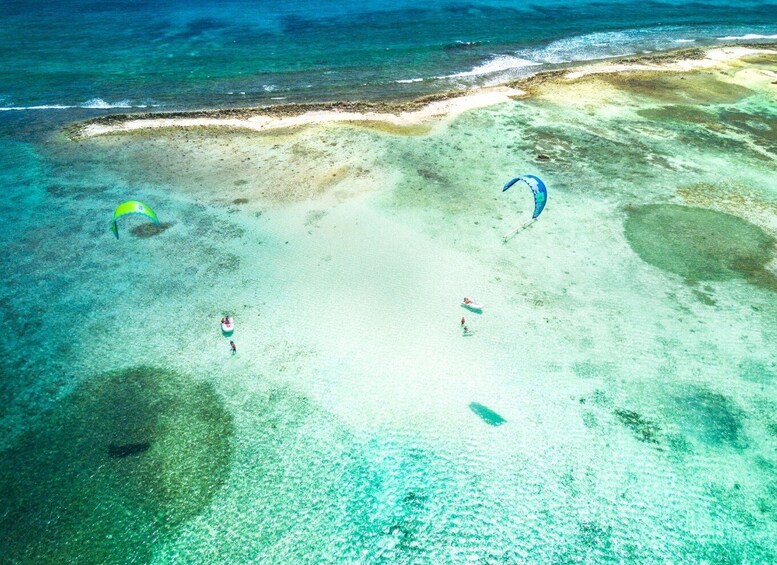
(499, 63)
(92, 104)
(747, 36)
(100, 104)
(606, 44)
(409, 80)
(269, 87)
(586, 47)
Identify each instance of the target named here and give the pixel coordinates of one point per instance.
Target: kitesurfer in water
(462, 321)
(232, 346)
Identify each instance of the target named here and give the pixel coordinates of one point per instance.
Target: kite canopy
(537, 187)
(132, 207)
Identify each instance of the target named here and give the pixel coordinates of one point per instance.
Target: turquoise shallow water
(615, 401)
(632, 379)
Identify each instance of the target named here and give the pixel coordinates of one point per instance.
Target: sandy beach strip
(712, 58)
(413, 113)
(258, 120)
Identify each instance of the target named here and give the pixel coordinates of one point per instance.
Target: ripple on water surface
(113, 468)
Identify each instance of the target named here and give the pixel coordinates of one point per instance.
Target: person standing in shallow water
(232, 346)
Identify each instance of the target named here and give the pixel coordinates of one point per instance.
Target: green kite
(131, 207)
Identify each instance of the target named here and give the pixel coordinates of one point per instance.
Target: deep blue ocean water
(194, 54)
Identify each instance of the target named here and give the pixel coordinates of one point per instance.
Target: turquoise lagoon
(616, 401)
(626, 350)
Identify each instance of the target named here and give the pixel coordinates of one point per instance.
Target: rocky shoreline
(659, 62)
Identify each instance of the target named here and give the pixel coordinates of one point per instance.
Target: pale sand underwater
(616, 400)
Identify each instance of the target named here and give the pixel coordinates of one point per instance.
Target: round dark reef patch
(114, 468)
(700, 244)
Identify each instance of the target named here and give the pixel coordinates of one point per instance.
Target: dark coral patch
(757, 371)
(761, 127)
(114, 468)
(710, 418)
(644, 429)
(675, 88)
(700, 244)
(595, 536)
(679, 113)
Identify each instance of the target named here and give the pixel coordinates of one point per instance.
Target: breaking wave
(747, 36)
(91, 104)
(500, 63)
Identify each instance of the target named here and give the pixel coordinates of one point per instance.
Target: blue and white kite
(540, 198)
(537, 187)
